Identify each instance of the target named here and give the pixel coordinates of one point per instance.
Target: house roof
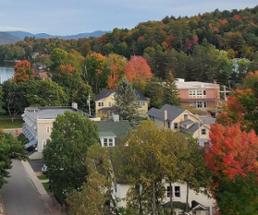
(172, 112)
(191, 129)
(118, 129)
(47, 112)
(181, 84)
(208, 120)
(105, 93)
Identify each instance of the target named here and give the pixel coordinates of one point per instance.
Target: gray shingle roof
(208, 120)
(105, 93)
(192, 129)
(47, 112)
(173, 112)
(120, 128)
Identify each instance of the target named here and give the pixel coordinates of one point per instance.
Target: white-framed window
(110, 142)
(199, 92)
(177, 191)
(101, 104)
(191, 92)
(203, 131)
(175, 125)
(185, 116)
(199, 104)
(105, 142)
(169, 191)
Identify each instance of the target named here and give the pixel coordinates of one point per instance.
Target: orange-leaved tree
(116, 66)
(232, 152)
(22, 71)
(138, 70)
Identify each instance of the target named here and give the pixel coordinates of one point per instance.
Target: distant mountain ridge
(8, 37)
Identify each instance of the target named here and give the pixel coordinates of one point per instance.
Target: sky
(63, 17)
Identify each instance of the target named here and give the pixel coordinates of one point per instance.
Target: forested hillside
(195, 48)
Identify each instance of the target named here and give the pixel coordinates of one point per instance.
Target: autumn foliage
(22, 71)
(66, 68)
(242, 105)
(232, 152)
(137, 70)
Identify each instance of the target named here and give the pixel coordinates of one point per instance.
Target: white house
(199, 203)
(38, 123)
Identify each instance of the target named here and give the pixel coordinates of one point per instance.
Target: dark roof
(176, 204)
(172, 110)
(120, 128)
(104, 93)
(141, 96)
(192, 129)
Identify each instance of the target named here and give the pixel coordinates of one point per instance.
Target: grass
(6, 122)
(42, 177)
(46, 186)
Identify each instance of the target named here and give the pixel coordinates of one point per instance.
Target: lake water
(6, 73)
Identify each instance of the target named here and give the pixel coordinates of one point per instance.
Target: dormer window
(203, 131)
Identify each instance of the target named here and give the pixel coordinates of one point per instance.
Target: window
(169, 125)
(175, 125)
(203, 131)
(185, 116)
(105, 142)
(110, 104)
(177, 191)
(199, 92)
(110, 142)
(199, 104)
(101, 104)
(169, 191)
(204, 104)
(191, 92)
(204, 92)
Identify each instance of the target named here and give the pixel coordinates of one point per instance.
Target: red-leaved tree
(138, 71)
(232, 152)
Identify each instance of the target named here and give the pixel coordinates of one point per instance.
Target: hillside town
(161, 119)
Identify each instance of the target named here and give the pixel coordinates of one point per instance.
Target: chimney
(165, 115)
(75, 106)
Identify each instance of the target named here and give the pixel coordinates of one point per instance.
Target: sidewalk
(1, 207)
(49, 200)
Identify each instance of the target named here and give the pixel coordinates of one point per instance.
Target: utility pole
(88, 101)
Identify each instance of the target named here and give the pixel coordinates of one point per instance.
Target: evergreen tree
(126, 101)
(171, 93)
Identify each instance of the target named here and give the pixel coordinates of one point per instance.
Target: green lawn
(6, 122)
(46, 186)
(42, 177)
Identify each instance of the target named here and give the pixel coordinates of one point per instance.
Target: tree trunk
(153, 199)
(187, 197)
(171, 199)
(138, 187)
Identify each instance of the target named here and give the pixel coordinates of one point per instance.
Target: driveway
(20, 196)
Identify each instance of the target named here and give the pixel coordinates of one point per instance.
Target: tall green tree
(65, 154)
(10, 148)
(126, 101)
(95, 197)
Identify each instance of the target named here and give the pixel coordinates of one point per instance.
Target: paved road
(20, 196)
